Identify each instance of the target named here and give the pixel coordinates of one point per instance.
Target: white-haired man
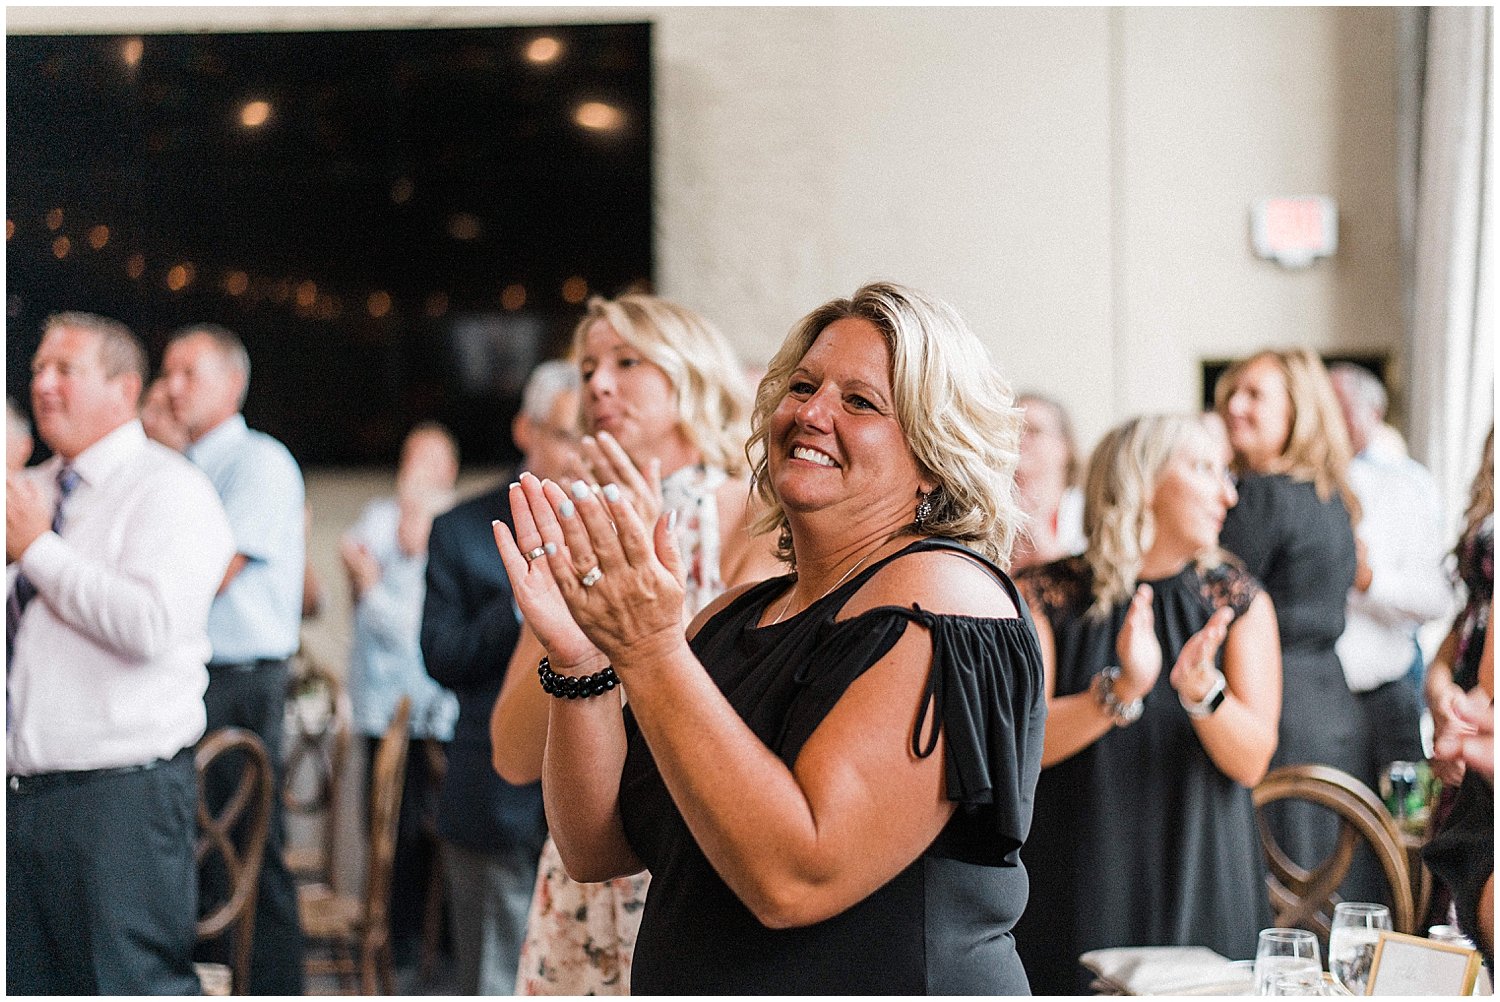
(1399, 582)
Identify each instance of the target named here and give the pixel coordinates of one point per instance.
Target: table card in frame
(1284, 951)
(1411, 965)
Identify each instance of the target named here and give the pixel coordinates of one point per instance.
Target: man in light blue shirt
(255, 620)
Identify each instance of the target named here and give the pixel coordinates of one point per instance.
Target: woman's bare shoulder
(944, 582)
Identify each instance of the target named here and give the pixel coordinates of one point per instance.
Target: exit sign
(1294, 231)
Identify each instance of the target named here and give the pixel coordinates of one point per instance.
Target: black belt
(217, 666)
(51, 780)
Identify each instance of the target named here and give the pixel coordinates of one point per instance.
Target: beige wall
(1076, 180)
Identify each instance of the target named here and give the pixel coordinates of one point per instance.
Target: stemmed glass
(1284, 951)
(1351, 943)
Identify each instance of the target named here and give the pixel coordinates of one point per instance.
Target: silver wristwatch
(1123, 714)
(1209, 703)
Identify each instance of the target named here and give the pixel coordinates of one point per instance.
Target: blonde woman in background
(664, 412)
(1293, 527)
(1145, 833)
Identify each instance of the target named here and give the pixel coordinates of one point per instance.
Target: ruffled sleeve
(985, 697)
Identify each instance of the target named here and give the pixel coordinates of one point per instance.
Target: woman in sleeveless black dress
(1144, 833)
(1293, 529)
(832, 779)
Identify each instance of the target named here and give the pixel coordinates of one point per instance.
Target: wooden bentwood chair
(237, 837)
(1306, 898)
(350, 937)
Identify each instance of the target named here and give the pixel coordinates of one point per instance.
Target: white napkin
(1163, 970)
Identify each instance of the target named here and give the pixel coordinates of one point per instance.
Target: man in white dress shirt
(1399, 583)
(121, 545)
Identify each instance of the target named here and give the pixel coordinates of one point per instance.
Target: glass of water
(1351, 942)
(1284, 951)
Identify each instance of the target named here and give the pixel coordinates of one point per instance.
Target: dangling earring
(924, 507)
(784, 541)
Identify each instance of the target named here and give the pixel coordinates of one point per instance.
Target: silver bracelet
(1123, 714)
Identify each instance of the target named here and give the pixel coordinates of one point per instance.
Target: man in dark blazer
(492, 831)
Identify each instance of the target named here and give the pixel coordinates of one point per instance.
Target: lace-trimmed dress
(580, 937)
(1139, 839)
(942, 925)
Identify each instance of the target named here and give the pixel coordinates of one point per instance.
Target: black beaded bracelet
(576, 686)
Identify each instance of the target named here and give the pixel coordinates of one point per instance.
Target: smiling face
(629, 396)
(1193, 494)
(834, 439)
(1258, 414)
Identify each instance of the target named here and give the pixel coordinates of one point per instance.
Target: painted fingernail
(565, 509)
(611, 492)
(671, 520)
(588, 440)
(514, 485)
(551, 548)
(494, 523)
(580, 489)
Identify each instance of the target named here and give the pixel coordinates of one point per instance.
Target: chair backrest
(319, 731)
(237, 837)
(1306, 898)
(385, 810)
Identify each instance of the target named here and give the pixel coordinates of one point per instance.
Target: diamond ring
(591, 578)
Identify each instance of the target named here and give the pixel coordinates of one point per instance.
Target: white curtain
(1451, 347)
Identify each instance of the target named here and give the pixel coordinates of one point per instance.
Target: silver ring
(591, 578)
(533, 554)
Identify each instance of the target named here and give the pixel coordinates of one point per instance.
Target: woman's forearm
(581, 769)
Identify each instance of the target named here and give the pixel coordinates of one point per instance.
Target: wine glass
(1284, 951)
(1351, 943)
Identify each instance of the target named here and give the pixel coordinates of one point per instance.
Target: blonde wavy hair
(957, 414)
(1317, 450)
(1121, 481)
(713, 402)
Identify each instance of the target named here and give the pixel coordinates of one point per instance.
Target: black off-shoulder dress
(943, 924)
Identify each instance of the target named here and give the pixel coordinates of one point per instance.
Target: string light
(543, 49)
(60, 247)
(254, 114)
(513, 297)
(236, 283)
(307, 294)
(598, 116)
(54, 219)
(574, 290)
(98, 236)
(135, 266)
(10, 228)
(180, 276)
(378, 304)
(464, 226)
(435, 306)
(131, 51)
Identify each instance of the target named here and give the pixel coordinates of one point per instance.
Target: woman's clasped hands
(592, 581)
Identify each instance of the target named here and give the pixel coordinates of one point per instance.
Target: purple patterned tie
(24, 591)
